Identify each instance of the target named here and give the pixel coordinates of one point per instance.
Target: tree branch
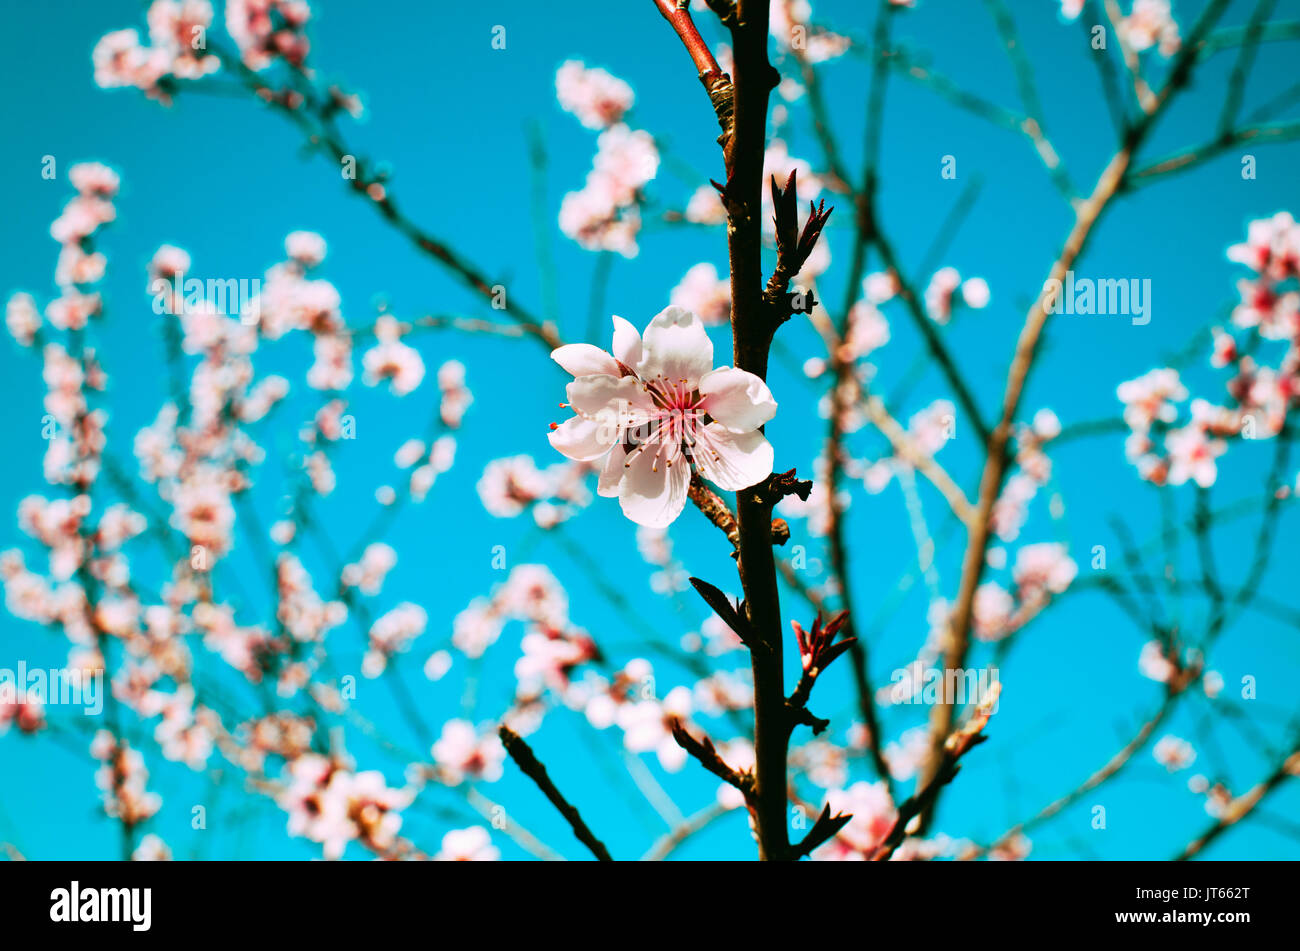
(531, 767)
(997, 461)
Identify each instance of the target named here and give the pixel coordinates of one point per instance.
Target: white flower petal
(737, 399)
(583, 439)
(611, 473)
(671, 756)
(604, 395)
(627, 342)
(652, 492)
(676, 347)
(742, 459)
(583, 359)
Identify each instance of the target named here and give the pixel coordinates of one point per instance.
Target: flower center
(677, 424)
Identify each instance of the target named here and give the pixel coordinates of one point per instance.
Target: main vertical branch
(740, 103)
(752, 330)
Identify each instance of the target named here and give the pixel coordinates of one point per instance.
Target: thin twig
(531, 767)
(1243, 805)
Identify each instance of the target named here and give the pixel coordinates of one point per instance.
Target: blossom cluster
(513, 485)
(605, 214)
(197, 462)
(177, 50)
(1261, 393)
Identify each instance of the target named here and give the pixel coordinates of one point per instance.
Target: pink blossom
(392, 360)
(456, 397)
(1151, 397)
(873, 817)
(22, 318)
(1046, 425)
(724, 690)
(122, 780)
(511, 485)
(240, 647)
(605, 214)
(1271, 248)
(462, 753)
(739, 755)
(975, 292)
(993, 608)
(77, 267)
(442, 455)
(333, 367)
(705, 207)
(932, 427)
(117, 525)
(598, 99)
(645, 726)
(252, 24)
(1150, 23)
(72, 311)
(1042, 570)
(291, 301)
(908, 755)
(642, 409)
(168, 263)
(179, 28)
(879, 287)
(409, 453)
(303, 613)
(1174, 753)
(94, 180)
(868, 331)
(1276, 314)
(592, 218)
(203, 511)
(626, 159)
(1154, 663)
(702, 292)
(824, 763)
(1014, 849)
(468, 845)
(437, 665)
(393, 633)
(656, 548)
(476, 628)
(184, 735)
(151, 849)
(28, 715)
(1192, 454)
(305, 247)
(369, 571)
(262, 398)
(793, 32)
(329, 804)
(549, 658)
(120, 59)
(532, 593)
(529, 593)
